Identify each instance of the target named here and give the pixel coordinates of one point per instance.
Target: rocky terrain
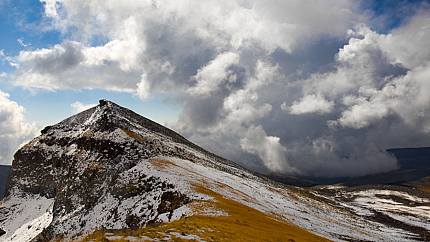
(110, 174)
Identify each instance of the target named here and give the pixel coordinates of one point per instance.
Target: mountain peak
(109, 117)
(107, 104)
(109, 170)
(95, 154)
(103, 102)
(106, 116)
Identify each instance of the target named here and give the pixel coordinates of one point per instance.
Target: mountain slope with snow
(108, 173)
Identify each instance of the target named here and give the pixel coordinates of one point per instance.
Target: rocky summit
(109, 174)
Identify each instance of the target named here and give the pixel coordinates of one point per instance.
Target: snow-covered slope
(108, 170)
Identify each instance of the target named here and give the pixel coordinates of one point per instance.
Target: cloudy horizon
(305, 88)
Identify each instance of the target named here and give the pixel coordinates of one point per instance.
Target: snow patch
(177, 214)
(30, 214)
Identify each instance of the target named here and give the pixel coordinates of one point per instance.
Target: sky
(295, 87)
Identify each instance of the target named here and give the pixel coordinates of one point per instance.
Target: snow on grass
(187, 236)
(177, 214)
(417, 215)
(320, 217)
(404, 195)
(30, 214)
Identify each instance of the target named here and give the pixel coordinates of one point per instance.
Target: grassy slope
(242, 224)
(423, 184)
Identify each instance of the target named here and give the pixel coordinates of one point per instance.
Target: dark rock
(132, 221)
(45, 130)
(103, 102)
(170, 201)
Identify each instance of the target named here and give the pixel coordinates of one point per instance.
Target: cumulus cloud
(295, 87)
(78, 107)
(270, 150)
(167, 42)
(310, 104)
(14, 130)
(209, 77)
(73, 66)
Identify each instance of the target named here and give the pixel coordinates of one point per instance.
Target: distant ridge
(412, 158)
(414, 164)
(4, 176)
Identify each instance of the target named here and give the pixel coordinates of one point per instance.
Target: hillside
(110, 174)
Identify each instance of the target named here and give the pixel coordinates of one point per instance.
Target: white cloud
(210, 76)
(143, 32)
(311, 104)
(50, 8)
(243, 106)
(14, 130)
(408, 44)
(78, 107)
(143, 88)
(73, 66)
(363, 114)
(268, 148)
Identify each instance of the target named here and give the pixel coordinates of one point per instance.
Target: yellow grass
(243, 223)
(133, 135)
(424, 185)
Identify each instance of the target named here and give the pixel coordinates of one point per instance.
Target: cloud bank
(293, 87)
(14, 130)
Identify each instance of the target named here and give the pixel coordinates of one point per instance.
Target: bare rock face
(85, 166)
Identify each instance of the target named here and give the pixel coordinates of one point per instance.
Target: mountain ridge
(110, 174)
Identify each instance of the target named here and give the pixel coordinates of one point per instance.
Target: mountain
(4, 176)
(108, 174)
(412, 158)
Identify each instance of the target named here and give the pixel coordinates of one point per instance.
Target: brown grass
(134, 135)
(424, 187)
(423, 184)
(243, 223)
(161, 163)
(88, 134)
